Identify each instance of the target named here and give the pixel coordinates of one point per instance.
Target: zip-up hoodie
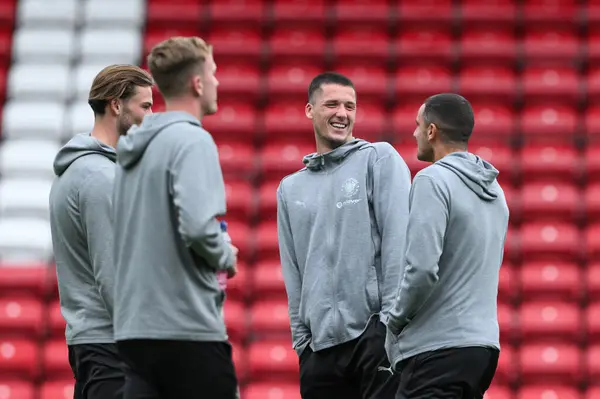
(455, 244)
(80, 219)
(341, 225)
(168, 243)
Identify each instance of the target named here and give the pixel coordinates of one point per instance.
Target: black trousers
(459, 373)
(178, 370)
(358, 369)
(98, 371)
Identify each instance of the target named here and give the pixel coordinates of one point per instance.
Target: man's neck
(104, 133)
(442, 151)
(188, 105)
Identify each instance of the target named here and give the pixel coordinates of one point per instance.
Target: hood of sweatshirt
(477, 174)
(79, 146)
(316, 162)
(132, 146)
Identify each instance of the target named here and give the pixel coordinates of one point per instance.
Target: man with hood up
(443, 329)
(168, 193)
(80, 220)
(341, 225)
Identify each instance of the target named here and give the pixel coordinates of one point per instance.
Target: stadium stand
(527, 66)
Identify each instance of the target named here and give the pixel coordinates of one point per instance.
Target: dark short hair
(325, 79)
(452, 114)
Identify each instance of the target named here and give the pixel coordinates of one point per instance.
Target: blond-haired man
(169, 246)
(80, 218)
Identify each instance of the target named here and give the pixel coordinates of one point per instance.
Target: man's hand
(232, 271)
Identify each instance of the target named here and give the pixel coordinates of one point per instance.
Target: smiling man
(341, 223)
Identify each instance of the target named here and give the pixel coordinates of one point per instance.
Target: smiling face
(332, 111)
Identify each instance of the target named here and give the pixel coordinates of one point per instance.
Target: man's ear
(114, 106)
(432, 132)
(308, 110)
(198, 85)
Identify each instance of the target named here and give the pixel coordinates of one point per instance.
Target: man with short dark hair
(443, 330)
(81, 224)
(341, 225)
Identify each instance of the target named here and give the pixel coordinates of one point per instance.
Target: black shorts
(98, 371)
(358, 369)
(178, 370)
(458, 373)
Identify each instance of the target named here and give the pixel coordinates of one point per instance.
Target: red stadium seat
(62, 389)
(175, 14)
(240, 199)
(550, 320)
(511, 249)
(371, 82)
(552, 47)
(238, 82)
(404, 118)
(285, 81)
(237, 159)
(270, 317)
(592, 117)
(592, 360)
(272, 361)
(495, 122)
(282, 158)
(424, 45)
(550, 201)
(592, 201)
(18, 359)
(550, 12)
(551, 281)
(592, 280)
(23, 280)
(498, 392)
(6, 36)
(297, 45)
(592, 241)
(550, 241)
(8, 13)
(409, 153)
(512, 196)
(593, 47)
(266, 240)
(592, 393)
(287, 120)
(240, 235)
(268, 200)
(56, 359)
(554, 122)
(548, 391)
(235, 319)
(362, 12)
(20, 316)
(235, 120)
(506, 322)
(488, 47)
(421, 82)
(545, 162)
(592, 162)
(593, 322)
(371, 122)
(485, 82)
(237, 287)
(155, 35)
(236, 12)
(560, 363)
(56, 321)
(236, 45)
(268, 281)
(505, 373)
(500, 156)
(17, 390)
(560, 84)
(486, 13)
(310, 13)
(417, 12)
(272, 391)
(361, 45)
(508, 288)
(239, 360)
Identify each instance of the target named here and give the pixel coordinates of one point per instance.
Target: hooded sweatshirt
(168, 243)
(455, 244)
(80, 219)
(341, 225)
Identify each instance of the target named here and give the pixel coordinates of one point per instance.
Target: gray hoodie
(341, 225)
(168, 243)
(80, 219)
(455, 244)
